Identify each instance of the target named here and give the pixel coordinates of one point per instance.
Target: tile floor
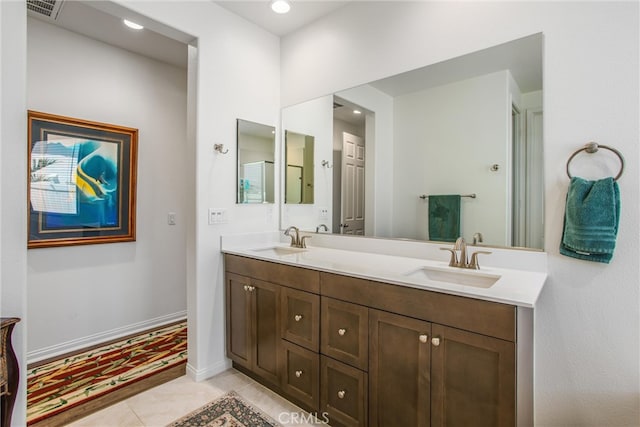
(169, 401)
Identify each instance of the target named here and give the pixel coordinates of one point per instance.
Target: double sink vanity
(355, 333)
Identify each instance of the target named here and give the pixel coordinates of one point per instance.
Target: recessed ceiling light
(280, 6)
(357, 112)
(132, 24)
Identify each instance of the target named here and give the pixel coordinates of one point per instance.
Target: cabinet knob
(423, 338)
(298, 374)
(435, 341)
(297, 317)
(251, 288)
(341, 394)
(342, 331)
(246, 288)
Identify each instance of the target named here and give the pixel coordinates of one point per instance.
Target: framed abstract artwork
(82, 181)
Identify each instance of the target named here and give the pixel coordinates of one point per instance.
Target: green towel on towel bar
(444, 218)
(592, 215)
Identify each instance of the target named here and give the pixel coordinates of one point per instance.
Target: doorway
(349, 131)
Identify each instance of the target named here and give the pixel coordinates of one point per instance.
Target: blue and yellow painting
(75, 183)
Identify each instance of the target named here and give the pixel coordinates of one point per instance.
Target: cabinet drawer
(301, 318)
(344, 393)
(301, 375)
(345, 333)
(293, 277)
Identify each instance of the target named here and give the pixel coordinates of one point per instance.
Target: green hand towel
(444, 218)
(592, 215)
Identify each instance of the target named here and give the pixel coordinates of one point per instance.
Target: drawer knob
(298, 317)
(435, 341)
(423, 338)
(341, 394)
(298, 374)
(342, 331)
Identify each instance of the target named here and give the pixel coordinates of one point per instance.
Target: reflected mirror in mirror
(471, 125)
(256, 154)
(299, 179)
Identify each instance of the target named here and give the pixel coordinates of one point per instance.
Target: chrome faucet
(322, 226)
(296, 240)
(459, 255)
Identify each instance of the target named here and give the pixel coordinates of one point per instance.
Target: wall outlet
(217, 216)
(323, 213)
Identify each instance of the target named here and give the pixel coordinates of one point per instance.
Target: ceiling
(302, 13)
(100, 20)
(88, 19)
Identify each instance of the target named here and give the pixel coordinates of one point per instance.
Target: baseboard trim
(204, 374)
(96, 339)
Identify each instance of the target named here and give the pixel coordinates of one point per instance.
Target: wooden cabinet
(253, 315)
(399, 370)
(371, 353)
(425, 374)
(472, 378)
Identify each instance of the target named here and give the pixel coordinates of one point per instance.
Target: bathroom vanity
(366, 340)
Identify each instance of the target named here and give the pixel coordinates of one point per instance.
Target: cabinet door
(238, 301)
(343, 397)
(301, 375)
(265, 333)
(472, 379)
(301, 318)
(344, 332)
(399, 370)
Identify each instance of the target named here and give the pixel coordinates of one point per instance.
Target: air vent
(45, 8)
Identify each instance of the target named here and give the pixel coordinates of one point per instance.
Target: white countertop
(515, 287)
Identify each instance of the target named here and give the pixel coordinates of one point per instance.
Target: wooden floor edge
(95, 405)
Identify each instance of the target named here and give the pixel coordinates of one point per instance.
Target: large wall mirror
(470, 127)
(256, 155)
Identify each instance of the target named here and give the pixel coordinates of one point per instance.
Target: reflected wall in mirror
(299, 179)
(469, 125)
(256, 155)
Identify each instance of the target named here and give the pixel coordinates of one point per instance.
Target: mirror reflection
(299, 179)
(256, 155)
(470, 125)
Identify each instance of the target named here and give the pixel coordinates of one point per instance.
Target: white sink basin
(474, 278)
(279, 250)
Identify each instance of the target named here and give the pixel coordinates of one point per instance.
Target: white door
(352, 215)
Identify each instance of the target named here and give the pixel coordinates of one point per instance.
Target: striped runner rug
(62, 384)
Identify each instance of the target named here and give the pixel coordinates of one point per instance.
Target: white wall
(313, 118)
(229, 51)
(586, 321)
(77, 294)
(445, 140)
(222, 87)
(13, 182)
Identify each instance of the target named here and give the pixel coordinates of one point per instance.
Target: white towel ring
(593, 147)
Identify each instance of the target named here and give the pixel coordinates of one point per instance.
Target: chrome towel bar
(592, 147)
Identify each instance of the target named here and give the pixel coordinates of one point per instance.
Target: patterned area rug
(62, 384)
(229, 410)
